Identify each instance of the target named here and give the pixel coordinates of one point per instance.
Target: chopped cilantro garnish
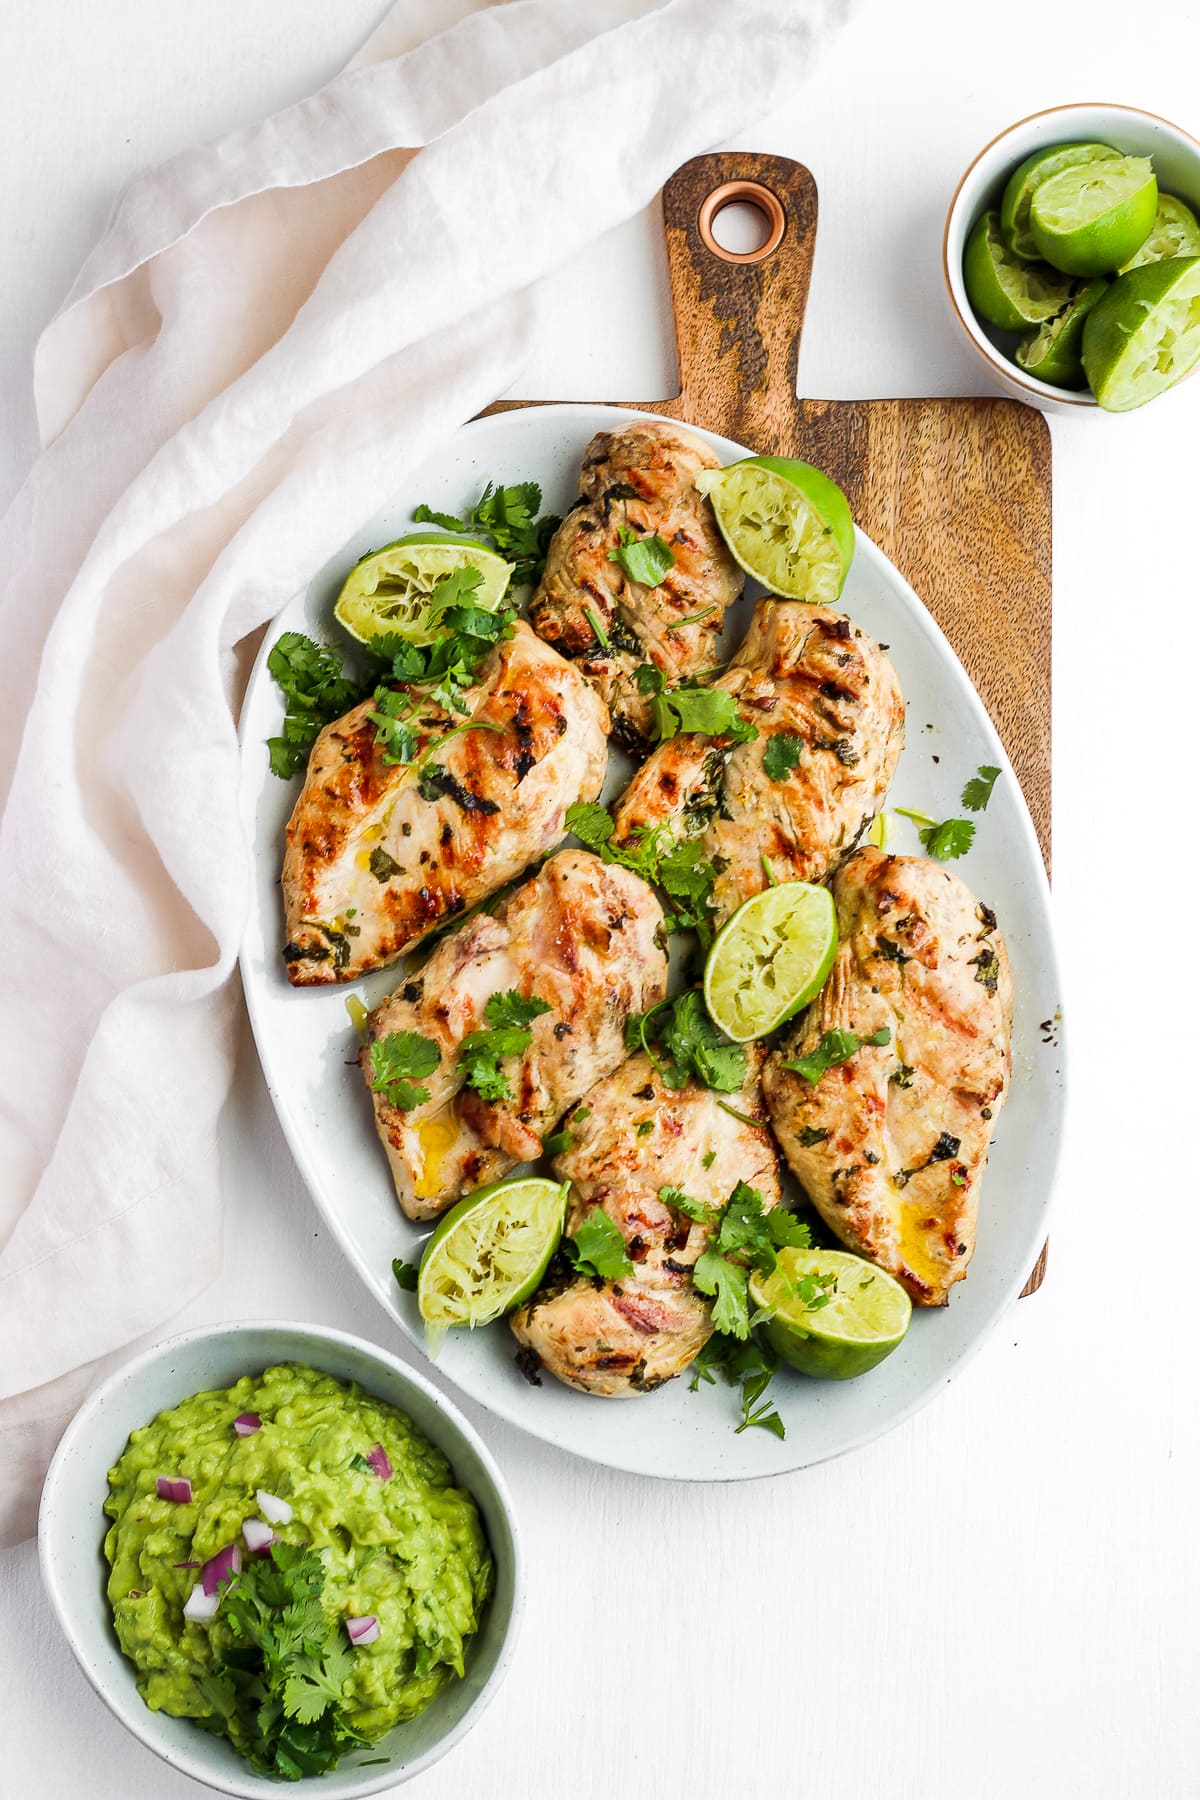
(835, 1047)
(398, 1060)
(598, 1249)
(287, 1666)
(405, 1274)
(710, 711)
(682, 870)
(783, 752)
(602, 637)
(508, 1016)
(645, 560)
(693, 1045)
(508, 517)
(556, 1143)
(316, 690)
(978, 791)
(952, 838)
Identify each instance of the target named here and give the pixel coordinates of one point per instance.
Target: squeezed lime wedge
(1090, 219)
(770, 959)
(489, 1253)
(786, 524)
(834, 1315)
(389, 592)
(1144, 334)
(1005, 290)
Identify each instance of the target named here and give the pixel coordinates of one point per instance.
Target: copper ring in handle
(750, 193)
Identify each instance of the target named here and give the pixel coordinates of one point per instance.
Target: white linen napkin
(273, 329)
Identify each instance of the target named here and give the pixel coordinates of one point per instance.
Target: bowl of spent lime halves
(321, 1391)
(977, 213)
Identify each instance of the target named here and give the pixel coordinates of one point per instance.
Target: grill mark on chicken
(891, 1146)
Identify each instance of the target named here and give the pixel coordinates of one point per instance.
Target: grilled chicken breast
(890, 1146)
(618, 1338)
(810, 673)
(640, 479)
(378, 853)
(585, 938)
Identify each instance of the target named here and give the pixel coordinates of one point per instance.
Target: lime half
(390, 590)
(1175, 232)
(1053, 352)
(1144, 334)
(1090, 219)
(1004, 290)
(786, 524)
(1014, 207)
(489, 1253)
(770, 959)
(835, 1315)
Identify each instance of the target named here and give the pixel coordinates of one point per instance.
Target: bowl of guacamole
(280, 1555)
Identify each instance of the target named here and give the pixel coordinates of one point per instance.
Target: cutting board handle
(738, 317)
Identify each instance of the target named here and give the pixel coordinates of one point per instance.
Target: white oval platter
(307, 1043)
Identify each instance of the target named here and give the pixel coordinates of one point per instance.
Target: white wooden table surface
(999, 1601)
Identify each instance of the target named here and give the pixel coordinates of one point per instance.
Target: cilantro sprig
(507, 518)
(509, 1016)
(681, 869)
(398, 1061)
(835, 1047)
(689, 706)
(978, 790)
(782, 754)
(945, 841)
(692, 1044)
(598, 1249)
(278, 1691)
(646, 560)
(316, 690)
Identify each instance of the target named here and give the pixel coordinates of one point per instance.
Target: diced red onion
(273, 1508)
(191, 1565)
(200, 1604)
(179, 1490)
(221, 1567)
(258, 1535)
(378, 1459)
(364, 1630)
(246, 1424)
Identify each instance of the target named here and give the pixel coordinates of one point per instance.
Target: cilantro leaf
(649, 679)
(727, 1283)
(591, 823)
(765, 1415)
(398, 1059)
(508, 1017)
(598, 1249)
(978, 790)
(646, 560)
(395, 738)
(783, 752)
(680, 869)
(507, 516)
(709, 711)
(679, 1202)
(405, 1274)
(316, 690)
(694, 1045)
(512, 1008)
(835, 1047)
(286, 1668)
(951, 839)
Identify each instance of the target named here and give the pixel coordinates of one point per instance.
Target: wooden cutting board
(956, 492)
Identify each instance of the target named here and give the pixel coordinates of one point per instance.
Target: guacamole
(393, 1553)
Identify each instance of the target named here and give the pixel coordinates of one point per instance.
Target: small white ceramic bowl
(1126, 128)
(72, 1524)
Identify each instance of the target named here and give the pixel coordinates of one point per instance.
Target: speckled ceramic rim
(1012, 371)
(749, 193)
(128, 1706)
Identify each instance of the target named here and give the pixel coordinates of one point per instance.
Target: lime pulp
(1175, 232)
(489, 1253)
(786, 524)
(388, 592)
(770, 959)
(833, 1315)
